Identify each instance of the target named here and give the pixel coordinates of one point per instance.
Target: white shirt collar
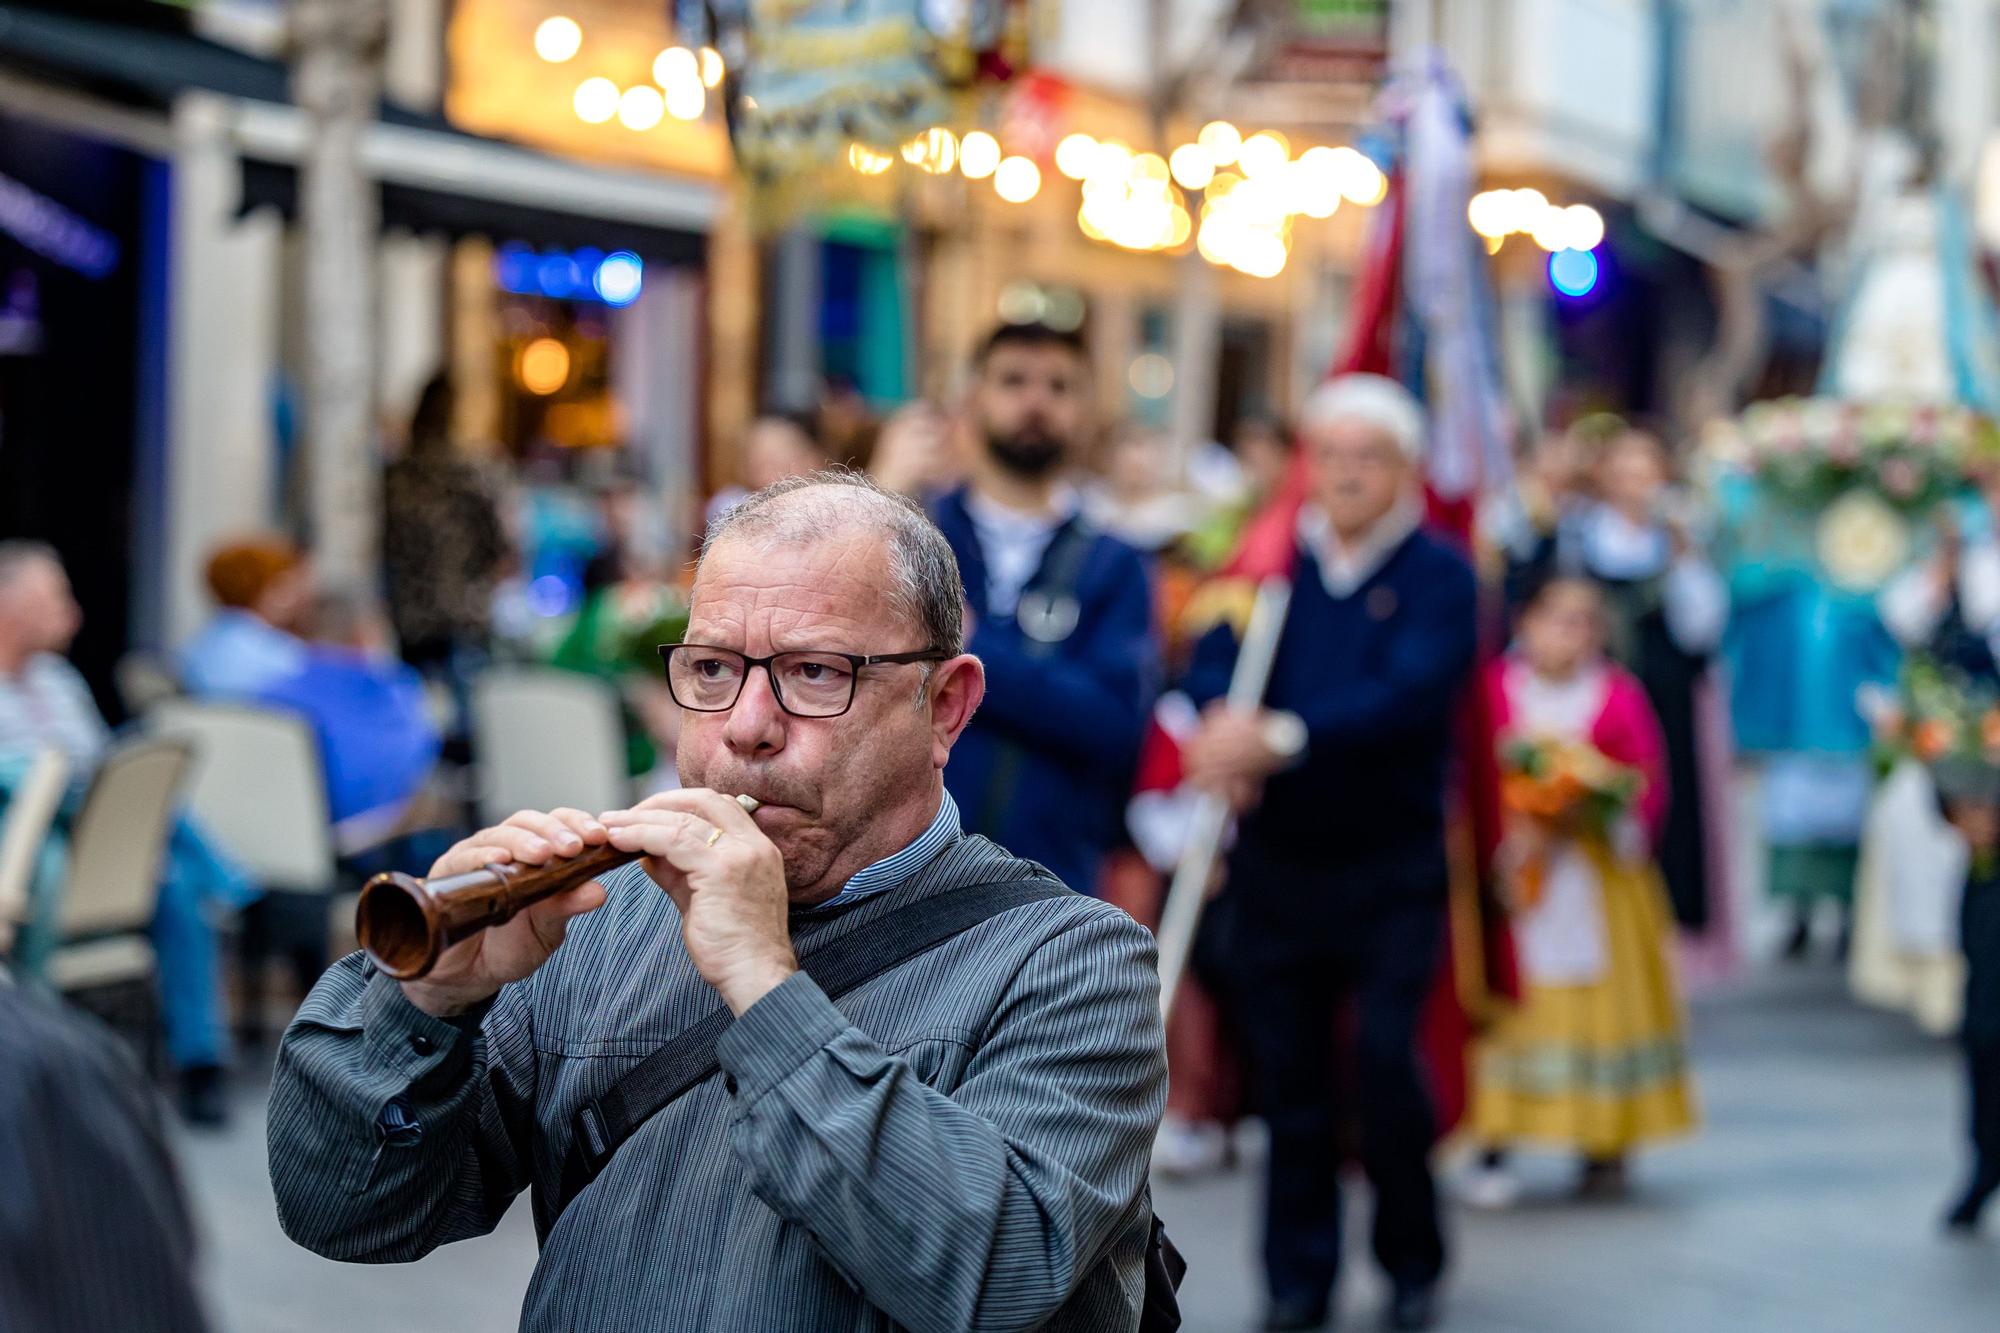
(1013, 543)
(1343, 568)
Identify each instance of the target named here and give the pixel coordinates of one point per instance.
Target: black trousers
(1290, 1006)
(1982, 1067)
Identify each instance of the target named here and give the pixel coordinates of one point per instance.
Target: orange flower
(1932, 740)
(1989, 729)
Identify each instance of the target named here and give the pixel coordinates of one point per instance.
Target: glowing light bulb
(1192, 166)
(978, 155)
(1075, 154)
(1491, 213)
(1573, 272)
(867, 161)
(619, 278)
(1017, 179)
(543, 366)
(641, 107)
(596, 100)
(1263, 153)
(687, 99)
(675, 65)
(1221, 141)
(1585, 226)
(934, 151)
(558, 39)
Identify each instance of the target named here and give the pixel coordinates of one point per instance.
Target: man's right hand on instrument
(473, 970)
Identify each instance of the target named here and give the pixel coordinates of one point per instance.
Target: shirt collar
(893, 869)
(991, 514)
(1344, 567)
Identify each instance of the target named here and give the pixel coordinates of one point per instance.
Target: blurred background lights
(641, 107)
(1573, 272)
(596, 100)
(711, 67)
(1586, 227)
(1151, 375)
(558, 38)
(867, 161)
(687, 99)
(1017, 179)
(543, 366)
(1498, 214)
(1263, 153)
(1192, 167)
(1075, 154)
(1360, 180)
(675, 65)
(619, 278)
(934, 151)
(559, 275)
(1221, 141)
(978, 155)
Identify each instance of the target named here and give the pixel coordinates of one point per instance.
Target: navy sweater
(1377, 677)
(1077, 715)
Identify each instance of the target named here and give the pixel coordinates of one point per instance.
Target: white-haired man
(1336, 886)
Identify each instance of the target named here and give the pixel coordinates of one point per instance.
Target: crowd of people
(1431, 692)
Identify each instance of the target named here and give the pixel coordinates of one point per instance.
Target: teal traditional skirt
(1811, 873)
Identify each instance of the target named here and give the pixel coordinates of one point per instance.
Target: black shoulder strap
(839, 966)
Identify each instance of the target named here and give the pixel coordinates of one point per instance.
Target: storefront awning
(433, 177)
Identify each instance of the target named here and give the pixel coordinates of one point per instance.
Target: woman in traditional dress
(1906, 951)
(1666, 612)
(1594, 1059)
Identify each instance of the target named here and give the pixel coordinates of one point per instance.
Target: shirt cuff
(787, 1026)
(401, 1037)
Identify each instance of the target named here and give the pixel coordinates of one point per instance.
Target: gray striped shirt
(961, 1143)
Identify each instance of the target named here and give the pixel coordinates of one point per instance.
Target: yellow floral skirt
(1595, 1068)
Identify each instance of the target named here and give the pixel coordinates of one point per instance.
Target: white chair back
(30, 811)
(546, 738)
(118, 837)
(258, 788)
(144, 680)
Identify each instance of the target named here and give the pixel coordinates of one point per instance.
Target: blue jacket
(1076, 716)
(1377, 677)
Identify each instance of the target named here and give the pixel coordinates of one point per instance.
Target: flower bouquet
(1844, 485)
(1814, 450)
(1561, 789)
(1946, 721)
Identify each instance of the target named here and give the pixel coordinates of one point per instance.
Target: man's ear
(957, 685)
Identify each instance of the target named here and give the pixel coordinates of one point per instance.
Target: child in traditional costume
(1594, 1058)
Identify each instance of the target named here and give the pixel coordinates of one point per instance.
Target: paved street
(1809, 1202)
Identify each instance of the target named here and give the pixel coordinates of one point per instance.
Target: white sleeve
(1979, 588)
(1696, 602)
(1911, 605)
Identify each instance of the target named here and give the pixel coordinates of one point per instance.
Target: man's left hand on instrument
(727, 879)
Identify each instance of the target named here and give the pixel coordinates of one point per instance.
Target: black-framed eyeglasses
(706, 679)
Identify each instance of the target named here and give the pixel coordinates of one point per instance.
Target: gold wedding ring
(749, 804)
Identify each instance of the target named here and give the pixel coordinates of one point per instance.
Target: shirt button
(729, 1084)
(421, 1043)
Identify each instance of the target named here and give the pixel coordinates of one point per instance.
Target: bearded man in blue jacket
(1060, 613)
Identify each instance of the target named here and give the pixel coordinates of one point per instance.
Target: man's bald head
(831, 571)
(799, 511)
(37, 612)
